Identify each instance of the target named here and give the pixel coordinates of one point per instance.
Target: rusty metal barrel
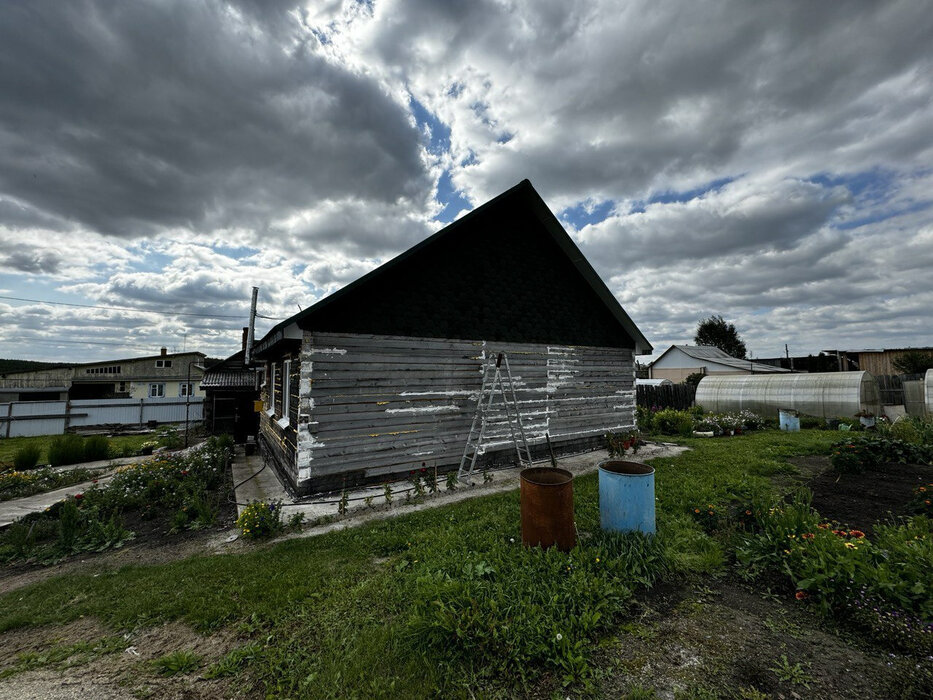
(547, 508)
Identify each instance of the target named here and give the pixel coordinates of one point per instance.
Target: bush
(96, 447)
(66, 449)
(671, 422)
(261, 519)
(644, 419)
(871, 450)
(26, 457)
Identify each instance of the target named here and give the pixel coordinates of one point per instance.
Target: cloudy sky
(771, 162)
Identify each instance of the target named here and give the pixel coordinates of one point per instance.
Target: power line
(130, 308)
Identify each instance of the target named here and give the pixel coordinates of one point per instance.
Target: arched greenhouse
(824, 394)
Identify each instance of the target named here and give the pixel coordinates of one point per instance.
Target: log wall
(371, 406)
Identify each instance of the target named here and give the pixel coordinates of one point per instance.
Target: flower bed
(187, 491)
(19, 484)
(882, 584)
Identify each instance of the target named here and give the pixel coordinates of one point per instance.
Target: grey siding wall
(376, 405)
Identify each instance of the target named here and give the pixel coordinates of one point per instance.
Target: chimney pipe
(164, 352)
(245, 337)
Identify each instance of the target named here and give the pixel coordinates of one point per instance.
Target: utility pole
(248, 354)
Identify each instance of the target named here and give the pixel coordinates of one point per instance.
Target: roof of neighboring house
(708, 353)
(231, 373)
(70, 365)
(505, 271)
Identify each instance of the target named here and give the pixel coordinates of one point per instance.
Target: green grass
(9, 446)
(427, 603)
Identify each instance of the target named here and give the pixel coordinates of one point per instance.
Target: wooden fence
(679, 396)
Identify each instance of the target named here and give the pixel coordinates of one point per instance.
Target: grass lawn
(119, 444)
(440, 601)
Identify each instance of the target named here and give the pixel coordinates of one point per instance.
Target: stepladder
(498, 383)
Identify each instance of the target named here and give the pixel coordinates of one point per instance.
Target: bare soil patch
(728, 639)
(862, 500)
(127, 672)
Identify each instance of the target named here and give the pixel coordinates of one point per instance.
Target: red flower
(857, 534)
(79, 496)
(808, 535)
(800, 595)
(184, 472)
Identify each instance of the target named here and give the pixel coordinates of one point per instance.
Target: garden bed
(861, 500)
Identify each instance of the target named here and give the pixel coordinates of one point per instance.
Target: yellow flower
(597, 560)
(849, 545)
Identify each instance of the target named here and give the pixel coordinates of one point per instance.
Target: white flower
(559, 636)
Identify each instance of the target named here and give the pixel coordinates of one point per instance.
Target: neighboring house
(383, 376)
(877, 362)
(157, 376)
(231, 390)
(680, 361)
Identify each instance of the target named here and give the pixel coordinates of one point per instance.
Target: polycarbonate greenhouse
(928, 391)
(824, 394)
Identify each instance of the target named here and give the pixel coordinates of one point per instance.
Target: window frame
(160, 393)
(285, 420)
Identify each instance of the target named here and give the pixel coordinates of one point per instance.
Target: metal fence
(679, 396)
(27, 418)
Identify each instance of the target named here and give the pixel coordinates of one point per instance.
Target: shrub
(26, 457)
(694, 378)
(619, 443)
(644, 419)
(168, 436)
(66, 449)
(96, 447)
(870, 450)
(260, 519)
(672, 422)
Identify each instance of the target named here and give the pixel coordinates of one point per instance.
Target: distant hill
(7, 366)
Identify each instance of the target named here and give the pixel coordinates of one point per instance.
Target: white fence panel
(28, 418)
(172, 410)
(105, 411)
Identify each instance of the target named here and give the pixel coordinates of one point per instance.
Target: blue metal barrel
(626, 496)
(789, 420)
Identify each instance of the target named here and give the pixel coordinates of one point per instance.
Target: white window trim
(271, 410)
(286, 393)
(160, 394)
(182, 386)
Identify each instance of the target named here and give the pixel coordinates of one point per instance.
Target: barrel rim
(530, 473)
(641, 469)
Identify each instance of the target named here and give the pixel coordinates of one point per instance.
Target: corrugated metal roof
(714, 354)
(236, 379)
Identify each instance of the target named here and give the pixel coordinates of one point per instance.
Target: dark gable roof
(505, 271)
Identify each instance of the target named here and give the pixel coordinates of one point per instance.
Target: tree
(913, 362)
(716, 332)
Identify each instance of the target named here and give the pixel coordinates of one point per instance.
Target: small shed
(823, 394)
(383, 376)
(680, 361)
(231, 390)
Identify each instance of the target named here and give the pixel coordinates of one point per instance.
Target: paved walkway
(322, 514)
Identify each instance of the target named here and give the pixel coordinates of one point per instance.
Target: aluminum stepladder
(484, 405)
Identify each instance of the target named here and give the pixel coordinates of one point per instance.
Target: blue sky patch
(438, 131)
(452, 199)
(583, 214)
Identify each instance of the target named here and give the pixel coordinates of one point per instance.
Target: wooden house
(384, 375)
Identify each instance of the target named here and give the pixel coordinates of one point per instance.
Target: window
(122, 387)
(286, 392)
(156, 391)
(271, 389)
(163, 364)
(185, 389)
